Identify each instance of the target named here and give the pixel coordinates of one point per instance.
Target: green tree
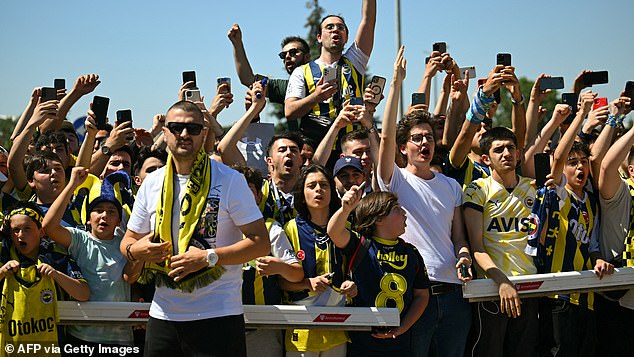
(503, 113)
(7, 124)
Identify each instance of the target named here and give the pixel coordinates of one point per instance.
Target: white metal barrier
(550, 284)
(255, 316)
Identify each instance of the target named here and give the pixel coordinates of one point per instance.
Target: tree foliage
(7, 124)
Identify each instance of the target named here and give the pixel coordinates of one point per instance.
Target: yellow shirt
(505, 217)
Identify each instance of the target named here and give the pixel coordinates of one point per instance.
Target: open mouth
(288, 163)
(581, 176)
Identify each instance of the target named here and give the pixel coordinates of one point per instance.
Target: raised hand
(86, 84)
(235, 34)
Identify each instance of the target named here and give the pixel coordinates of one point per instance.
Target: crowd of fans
(347, 214)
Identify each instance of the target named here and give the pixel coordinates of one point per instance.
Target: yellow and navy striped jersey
(265, 290)
(467, 172)
(350, 85)
(569, 236)
(275, 205)
(506, 222)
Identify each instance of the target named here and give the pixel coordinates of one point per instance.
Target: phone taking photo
(330, 74)
(504, 59)
(190, 76)
(377, 84)
(419, 98)
(60, 83)
(223, 80)
(472, 72)
(571, 99)
(592, 78)
(542, 168)
(551, 83)
(124, 115)
(440, 47)
(193, 95)
(48, 94)
(100, 108)
(356, 101)
(599, 103)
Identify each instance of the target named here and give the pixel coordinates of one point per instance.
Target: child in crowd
(31, 273)
(97, 253)
(387, 271)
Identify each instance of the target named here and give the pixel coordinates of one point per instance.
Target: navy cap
(348, 161)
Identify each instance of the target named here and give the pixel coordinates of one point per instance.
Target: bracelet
(372, 130)
(521, 102)
(615, 121)
(128, 253)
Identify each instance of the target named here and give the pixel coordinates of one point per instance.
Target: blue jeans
(443, 328)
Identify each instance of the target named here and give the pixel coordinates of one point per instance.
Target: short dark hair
(497, 133)
(37, 162)
(305, 48)
(308, 141)
(372, 208)
(147, 153)
(289, 135)
(360, 134)
(332, 15)
(188, 107)
(52, 138)
(410, 120)
(580, 148)
(127, 149)
(299, 200)
(252, 175)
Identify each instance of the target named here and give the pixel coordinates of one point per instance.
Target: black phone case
(542, 168)
(504, 59)
(60, 83)
(551, 83)
(124, 116)
(100, 108)
(189, 76)
(418, 98)
(440, 47)
(49, 94)
(600, 77)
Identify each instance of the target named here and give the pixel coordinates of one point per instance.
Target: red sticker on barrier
(531, 285)
(140, 314)
(331, 318)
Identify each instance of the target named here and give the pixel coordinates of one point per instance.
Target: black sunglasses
(192, 128)
(293, 52)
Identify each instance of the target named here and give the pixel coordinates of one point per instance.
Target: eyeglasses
(293, 52)
(417, 139)
(177, 128)
(340, 27)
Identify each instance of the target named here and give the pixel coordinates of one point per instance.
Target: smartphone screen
(124, 116)
(629, 89)
(222, 80)
(592, 78)
(542, 168)
(418, 98)
(189, 76)
(60, 83)
(551, 83)
(48, 93)
(100, 108)
(356, 101)
(440, 47)
(504, 59)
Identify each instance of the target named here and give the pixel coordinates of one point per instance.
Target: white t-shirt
(280, 244)
(430, 206)
(296, 87)
(237, 208)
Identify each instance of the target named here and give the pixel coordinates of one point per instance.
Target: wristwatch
(521, 102)
(106, 150)
(212, 258)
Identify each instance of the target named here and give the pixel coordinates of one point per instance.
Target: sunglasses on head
(192, 128)
(293, 52)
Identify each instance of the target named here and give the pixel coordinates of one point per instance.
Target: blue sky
(140, 48)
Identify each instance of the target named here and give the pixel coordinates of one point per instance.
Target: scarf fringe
(192, 282)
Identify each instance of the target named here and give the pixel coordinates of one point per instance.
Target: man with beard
(308, 90)
(284, 161)
(295, 52)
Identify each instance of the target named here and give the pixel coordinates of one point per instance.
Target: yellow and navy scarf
(197, 212)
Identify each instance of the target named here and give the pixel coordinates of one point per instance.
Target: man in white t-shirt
(206, 318)
(433, 203)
